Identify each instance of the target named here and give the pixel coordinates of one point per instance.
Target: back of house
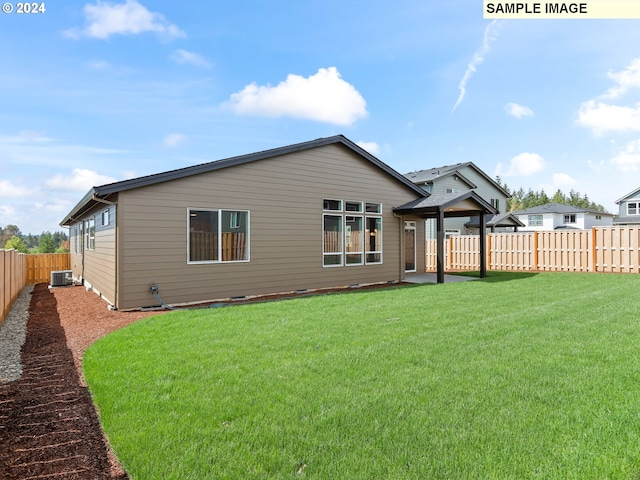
(308, 216)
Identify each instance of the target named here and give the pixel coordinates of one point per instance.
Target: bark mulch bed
(49, 428)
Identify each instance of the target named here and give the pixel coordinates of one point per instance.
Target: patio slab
(432, 278)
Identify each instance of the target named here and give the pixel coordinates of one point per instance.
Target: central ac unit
(61, 278)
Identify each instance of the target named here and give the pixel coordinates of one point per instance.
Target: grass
(516, 376)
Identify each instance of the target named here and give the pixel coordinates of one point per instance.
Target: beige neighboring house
(313, 215)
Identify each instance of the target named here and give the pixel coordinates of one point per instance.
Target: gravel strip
(13, 332)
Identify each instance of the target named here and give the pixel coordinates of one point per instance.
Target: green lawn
(515, 376)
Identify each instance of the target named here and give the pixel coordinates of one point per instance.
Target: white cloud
(563, 180)
(601, 117)
(12, 190)
(80, 180)
(626, 79)
(371, 147)
(478, 57)
(7, 211)
(104, 19)
(518, 111)
(324, 97)
(628, 160)
(186, 57)
(174, 139)
(523, 165)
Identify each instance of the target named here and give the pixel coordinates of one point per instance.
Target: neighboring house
(553, 216)
(314, 215)
(628, 209)
(463, 177)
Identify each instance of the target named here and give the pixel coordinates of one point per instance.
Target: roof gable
(429, 175)
(630, 195)
(102, 191)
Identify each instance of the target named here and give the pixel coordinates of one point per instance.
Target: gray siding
(284, 196)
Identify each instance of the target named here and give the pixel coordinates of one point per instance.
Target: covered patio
(441, 206)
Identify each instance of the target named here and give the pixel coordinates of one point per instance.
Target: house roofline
(102, 191)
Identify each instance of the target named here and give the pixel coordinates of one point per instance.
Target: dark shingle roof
(104, 190)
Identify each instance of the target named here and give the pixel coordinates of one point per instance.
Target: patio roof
(443, 205)
(462, 204)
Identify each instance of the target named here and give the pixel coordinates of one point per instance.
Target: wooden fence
(601, 249)
(40, 266)
(13, 275)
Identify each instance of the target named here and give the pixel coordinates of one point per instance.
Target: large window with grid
(352, 233)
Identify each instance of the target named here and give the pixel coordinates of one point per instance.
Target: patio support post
(483, 245)
(440, 246)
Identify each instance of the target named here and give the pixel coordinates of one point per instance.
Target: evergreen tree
(46, 244)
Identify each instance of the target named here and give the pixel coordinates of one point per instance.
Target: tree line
(12, 238)
(521, 199)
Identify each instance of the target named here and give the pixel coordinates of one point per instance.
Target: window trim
(339, 254)
(361, 250)
(636, 207)
(220, 230)
(569, 218)
(106, 215)
(90, 234)
(374, 252)
(326, 209)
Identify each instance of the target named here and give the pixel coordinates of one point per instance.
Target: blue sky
(102, 91)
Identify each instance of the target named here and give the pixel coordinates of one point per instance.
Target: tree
(520, 200)
(16, 243)
(46, 244)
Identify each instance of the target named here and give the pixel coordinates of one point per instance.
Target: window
(452, 190)
(633, 208)
(218, 236)
(77, 238)
(373, 242)
(598, 217)
(351, 239)
(353, 206)
(570, 218)
(495, 203)
(332, 205)
(535, 220)
(373, 208)
(90, 234)
(332, 242)
(105, 217)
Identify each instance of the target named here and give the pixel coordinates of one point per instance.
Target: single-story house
(313, 215)
(628, 209)
(555, 216)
